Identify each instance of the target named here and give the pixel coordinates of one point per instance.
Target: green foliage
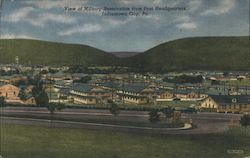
(185, 79)
(52, 107)
(245, 120)
(85, 79)
(22, 94)
(20, 141)
(60, 106)
(50, 53)
(41, 97)
(203, 53)
(168, 111)
(114, 109)
(38, 92)
(2, 101)
(8, 73)
(154, 116)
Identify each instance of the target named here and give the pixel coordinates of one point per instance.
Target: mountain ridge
(194, 53)
(52, 53)
(199, 53)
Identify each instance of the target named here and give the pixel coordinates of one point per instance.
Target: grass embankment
(244, 82)
(144, 107)
(40, 142)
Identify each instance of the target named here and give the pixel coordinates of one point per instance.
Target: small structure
(190, 94)
(29, 100)
(177, 117)
(10, 93)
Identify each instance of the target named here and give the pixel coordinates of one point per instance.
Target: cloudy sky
(48, 20)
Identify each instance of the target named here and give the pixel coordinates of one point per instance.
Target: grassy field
(159, 105)
(245, 82)
(40, 142)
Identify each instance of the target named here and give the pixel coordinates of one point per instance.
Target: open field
(159, 105)
(244, 82)
(39, 142)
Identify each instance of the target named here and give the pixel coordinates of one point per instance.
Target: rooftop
(231, 99)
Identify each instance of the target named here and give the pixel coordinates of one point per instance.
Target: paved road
(205, 122)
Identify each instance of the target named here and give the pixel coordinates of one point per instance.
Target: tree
(41, 97)
(168, 111)
(2, 102)
(22, 94)
(85, 79)
(245, 121)
(37, 81)
(240, 78)
(114, 109)
(154, 116)
(52, 107)
(185, 79)
(60, 106)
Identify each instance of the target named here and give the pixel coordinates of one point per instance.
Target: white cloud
(14, 36)
(149, 2)
(184, 18)
(49, 4)
(29, 15)
(224, 7)
(157, 1)
(86, 28)
(187, 25)
(115, 22)
(194, 5)
(49, 17)
(126, 2)
(18, 15)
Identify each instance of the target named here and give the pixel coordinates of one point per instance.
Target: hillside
(124, 54)
(49, 53)
(201, 53)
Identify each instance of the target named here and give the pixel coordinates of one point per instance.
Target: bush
(154, 116)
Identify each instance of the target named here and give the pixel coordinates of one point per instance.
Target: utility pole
(50, 89)
(1, 9)
(123, 91)
(224, 88)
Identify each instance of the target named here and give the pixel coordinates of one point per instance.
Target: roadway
(97, 119)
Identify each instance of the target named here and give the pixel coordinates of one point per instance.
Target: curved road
(204, 122)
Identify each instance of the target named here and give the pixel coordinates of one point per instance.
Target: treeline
(184, 79)
(99, 70)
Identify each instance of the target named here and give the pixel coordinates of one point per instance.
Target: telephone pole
(1, 9)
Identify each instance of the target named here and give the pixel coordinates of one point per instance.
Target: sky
(50, 21)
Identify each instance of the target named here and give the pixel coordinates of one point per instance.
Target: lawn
(244, 82)
(163, 104)
(40, 142)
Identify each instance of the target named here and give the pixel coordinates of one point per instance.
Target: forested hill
(200, 53)
(50, 53)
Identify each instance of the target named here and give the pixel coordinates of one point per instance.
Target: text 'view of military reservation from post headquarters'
(124, 79)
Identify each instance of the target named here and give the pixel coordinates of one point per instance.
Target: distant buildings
(86, 94)
(136, 93)
(134, 89)
(12, 79)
